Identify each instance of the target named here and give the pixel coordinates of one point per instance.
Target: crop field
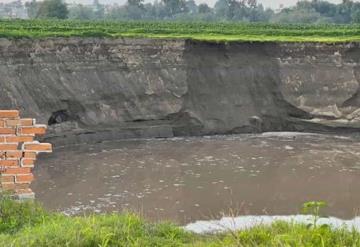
(184, 30)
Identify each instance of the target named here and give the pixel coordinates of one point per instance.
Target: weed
(313, 208)
(26, 224)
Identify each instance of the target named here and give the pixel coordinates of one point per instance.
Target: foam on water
(246, 222)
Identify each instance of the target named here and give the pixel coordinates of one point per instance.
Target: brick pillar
(18, 151)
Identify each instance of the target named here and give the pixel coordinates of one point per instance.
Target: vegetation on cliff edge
(28, 224)
(224, 31)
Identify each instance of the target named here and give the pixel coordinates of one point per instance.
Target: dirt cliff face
(322, 79)
(108, 89)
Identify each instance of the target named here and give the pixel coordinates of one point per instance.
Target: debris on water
(287, 147)
(245, 222)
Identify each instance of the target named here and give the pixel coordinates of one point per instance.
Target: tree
(225, 9)
(355, 12)
(99, 10)
(203, 8)
(117, 12)
(136, 3)
(191, 7)
(242, 10)
(297, 16)
(32, 8)
(157, 10)
(344, 12)
(53, 9)
(81, 12)
(258, 14)
(174, 7)
(355, 16)
(134, 12)
(324, 8)
(251, 3)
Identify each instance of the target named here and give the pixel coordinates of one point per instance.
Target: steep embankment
(118, 88)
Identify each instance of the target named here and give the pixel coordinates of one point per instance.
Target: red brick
(6, 163)
(27, 121)
(7, 131)
(36, 130)
(12, 122)
(29, 155)
(27, 162)
(37, 147)
(23, 191)
(17, 154)
(7, 179)
(19, 138)
(17, 170)
(9, 114)
(8, 186)
(19, 122)
(19, 188)
(8, 146)
(15, 164)
(26, 178)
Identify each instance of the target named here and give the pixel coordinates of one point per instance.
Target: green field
(183, 30)
(26, 224)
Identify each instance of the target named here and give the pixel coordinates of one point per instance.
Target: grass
(28, 224)
(180, 30)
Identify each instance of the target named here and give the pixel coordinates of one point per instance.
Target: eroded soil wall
(98, 89)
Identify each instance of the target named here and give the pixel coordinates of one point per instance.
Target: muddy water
(188, 179)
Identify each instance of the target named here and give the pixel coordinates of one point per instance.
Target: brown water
(187, 179)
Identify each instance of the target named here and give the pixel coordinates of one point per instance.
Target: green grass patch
(212, 31)
(28, 224)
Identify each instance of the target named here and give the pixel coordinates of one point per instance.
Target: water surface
(189, 179)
